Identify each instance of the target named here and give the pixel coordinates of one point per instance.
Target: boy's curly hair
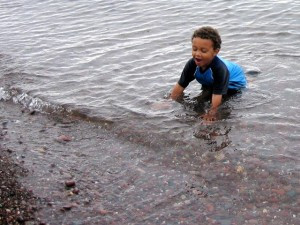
(210, 33)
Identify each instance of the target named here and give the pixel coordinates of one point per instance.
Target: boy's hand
(211, 115)
(216, 100)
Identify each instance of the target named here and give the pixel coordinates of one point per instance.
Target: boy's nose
(198, 54)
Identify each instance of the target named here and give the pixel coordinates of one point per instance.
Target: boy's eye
(202, 50)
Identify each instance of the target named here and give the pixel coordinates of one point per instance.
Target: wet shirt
(220, 75)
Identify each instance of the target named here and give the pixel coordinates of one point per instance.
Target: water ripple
(113, 58)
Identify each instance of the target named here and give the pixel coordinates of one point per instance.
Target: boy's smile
(203, 52)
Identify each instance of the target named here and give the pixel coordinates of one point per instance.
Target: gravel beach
(60, 170)
(17, 204)
(31, 187)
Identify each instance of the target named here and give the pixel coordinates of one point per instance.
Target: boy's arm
(216, 100)
(186, 77)
(177, 92)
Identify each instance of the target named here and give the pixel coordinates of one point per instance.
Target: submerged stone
(70, 183)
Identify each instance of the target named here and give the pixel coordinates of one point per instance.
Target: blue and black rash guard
(220, 75)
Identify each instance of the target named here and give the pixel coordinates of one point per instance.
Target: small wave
(4, 95)
(27, 101)
(31, 103)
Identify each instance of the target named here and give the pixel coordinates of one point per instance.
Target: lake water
(114, 63)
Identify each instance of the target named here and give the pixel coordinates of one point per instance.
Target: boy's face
(203, 51)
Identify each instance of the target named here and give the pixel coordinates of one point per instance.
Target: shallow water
(113, 62)
(116, 61)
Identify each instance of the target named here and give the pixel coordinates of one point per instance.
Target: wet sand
(76, 172)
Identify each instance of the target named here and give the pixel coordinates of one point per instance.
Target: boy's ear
(217, 51)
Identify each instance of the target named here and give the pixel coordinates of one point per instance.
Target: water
(113, 62)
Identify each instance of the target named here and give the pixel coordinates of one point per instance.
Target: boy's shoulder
(217, 61)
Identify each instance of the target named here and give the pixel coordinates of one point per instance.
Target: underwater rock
(70, 183)
(65, 138)
(254, 71)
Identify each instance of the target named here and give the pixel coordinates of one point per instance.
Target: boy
(217, 76)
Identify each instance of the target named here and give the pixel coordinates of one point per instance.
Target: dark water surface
(113, 62)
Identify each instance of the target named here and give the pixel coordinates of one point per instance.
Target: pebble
(64, 138)
(240, 169)
(219, 156)
(75, 191)
(20, 219)
(32, 112)
(67, 207)
(264, 174)
(253, 71)
(265, 210)
(30, 223)
(279, 191)
(70, 183)
(42, 149)
(210, 207)
(253, 221)
(292, 193)
(103, 212)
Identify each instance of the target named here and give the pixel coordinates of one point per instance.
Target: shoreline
(69, 171)
(25, 174)
(18, 204)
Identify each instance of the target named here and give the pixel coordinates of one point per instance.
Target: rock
(265, 211)
(219, 156)
(103, 212)
(264, 174)
(254, 71)
(253, 221)
(240, 169)
(67, 207)
(70, 183)
(4, 124)
(279, 191)
(292, 193)
(210, 207)
(32, 112)
(30, 223)
(75, 191)
(20, 219)
(42, 149)
(64, 138)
